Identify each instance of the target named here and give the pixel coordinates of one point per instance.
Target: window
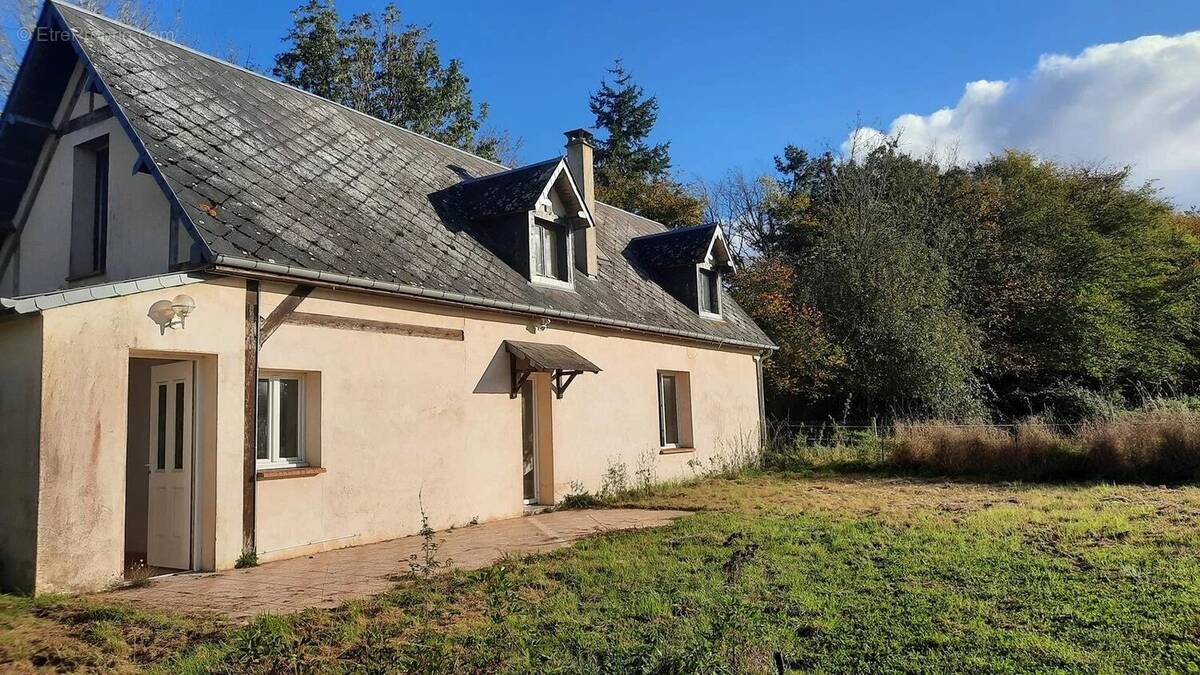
(89, 208)
(550, 248)
(675, 411)
(280, 420)
(710, 292)
(668, 411)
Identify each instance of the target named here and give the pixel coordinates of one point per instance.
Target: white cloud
(1135, 102)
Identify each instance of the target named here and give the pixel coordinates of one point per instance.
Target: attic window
(89, 209)
(550, 252)
(709, 283)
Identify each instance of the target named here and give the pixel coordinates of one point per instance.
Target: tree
(1010, 287)
(388, 69)
(136, 13)
(807, 362)
(1090, 282)
(631, 173)
(315, 62)
(885, 294)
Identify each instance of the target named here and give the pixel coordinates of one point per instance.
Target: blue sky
(735, 81)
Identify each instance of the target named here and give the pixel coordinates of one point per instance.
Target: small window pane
(264, 419)
(539, 248)
(710, 289)
(179, 425)
(289, 419)
(668, 411)
(161, 438)
(550, 251)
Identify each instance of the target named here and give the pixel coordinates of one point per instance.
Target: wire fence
(826, 433)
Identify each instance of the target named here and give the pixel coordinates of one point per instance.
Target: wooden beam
(560, 387)
(518, 380)
(372, 326)
(250, 427)
(282, 312)
(85, 120)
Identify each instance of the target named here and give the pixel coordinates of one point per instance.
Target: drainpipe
(762, 399)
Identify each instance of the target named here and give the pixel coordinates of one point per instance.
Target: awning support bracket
(560, 386)
(518, 380)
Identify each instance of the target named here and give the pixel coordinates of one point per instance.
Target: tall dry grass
(1151, 445)
(1154, 444)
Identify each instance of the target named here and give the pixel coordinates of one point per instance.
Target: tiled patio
(331, 578)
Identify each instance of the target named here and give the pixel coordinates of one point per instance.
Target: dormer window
(550, 251)
(688, 263)
(533, 218)
(709, 287)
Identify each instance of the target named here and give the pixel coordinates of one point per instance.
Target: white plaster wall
(84, 408)
(138, 218)
(403, 421)
(406, 416)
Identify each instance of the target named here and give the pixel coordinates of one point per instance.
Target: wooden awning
(562, 362)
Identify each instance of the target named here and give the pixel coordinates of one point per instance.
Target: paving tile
(331, 578)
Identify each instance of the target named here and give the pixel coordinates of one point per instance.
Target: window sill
(291, 472)
(675, 451)
(552, 284)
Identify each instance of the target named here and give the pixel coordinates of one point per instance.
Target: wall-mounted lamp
(171, 313)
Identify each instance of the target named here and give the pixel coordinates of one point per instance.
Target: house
(236, 317)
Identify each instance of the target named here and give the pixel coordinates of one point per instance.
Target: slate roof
(305, 183)
(505, 192)
(681, 246)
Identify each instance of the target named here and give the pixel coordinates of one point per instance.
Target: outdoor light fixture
(171, 313)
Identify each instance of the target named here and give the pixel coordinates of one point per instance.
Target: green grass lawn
(821, 574)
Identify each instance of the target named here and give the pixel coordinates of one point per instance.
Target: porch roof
(548, 358)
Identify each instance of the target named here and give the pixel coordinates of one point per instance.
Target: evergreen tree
(628, 116)
(631, 173)
(316, 62)
(387, 69)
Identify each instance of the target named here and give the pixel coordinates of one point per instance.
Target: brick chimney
(580, 148)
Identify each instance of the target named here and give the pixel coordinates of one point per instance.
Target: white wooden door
(169, 520)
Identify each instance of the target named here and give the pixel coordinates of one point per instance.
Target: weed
(579, 498)
(248, 558)
(645, 473)
(427, 563)
(615, 480)
(138, 575)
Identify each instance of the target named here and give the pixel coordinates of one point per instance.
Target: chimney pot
(580, 136)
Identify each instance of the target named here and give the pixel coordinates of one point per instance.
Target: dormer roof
(521, 189)
(695, 245)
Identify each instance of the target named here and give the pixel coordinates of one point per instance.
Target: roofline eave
(452, 297)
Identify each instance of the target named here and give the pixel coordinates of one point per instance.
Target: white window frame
(702, 290)
(662, 412)
(536, 246)
(273, 460)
